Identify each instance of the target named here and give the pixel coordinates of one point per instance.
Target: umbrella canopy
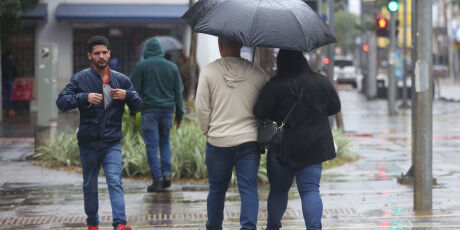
(287, 24)
(167, 42)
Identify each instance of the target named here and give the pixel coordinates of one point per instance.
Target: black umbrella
(287, 24)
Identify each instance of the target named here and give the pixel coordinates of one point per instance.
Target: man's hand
(178, 123)
(95, 98)
(118, 94)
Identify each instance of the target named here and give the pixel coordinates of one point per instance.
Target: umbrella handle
(253, 54)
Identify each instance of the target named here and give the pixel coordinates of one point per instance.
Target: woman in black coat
(307, 140)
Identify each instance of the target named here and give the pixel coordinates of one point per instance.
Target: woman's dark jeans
(281, 178)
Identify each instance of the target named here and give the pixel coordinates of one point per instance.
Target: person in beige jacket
(227, 91)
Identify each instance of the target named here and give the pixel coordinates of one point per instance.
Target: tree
(9, 21)
(192, 64)
(346, 29)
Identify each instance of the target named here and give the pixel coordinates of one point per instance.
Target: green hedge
(187, 146)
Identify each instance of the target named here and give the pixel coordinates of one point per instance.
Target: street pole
(391, 67)
(360, 50)
(371, 81)
(331, 47)
(404, 104)
(1, 82)
(423, 111)
(318, 51)
(331, 56)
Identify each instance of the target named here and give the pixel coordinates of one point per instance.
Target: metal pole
(331, 47)
(330, 53)
(423, 127)
(404, 104)
(391, 67)
(318, 52)
(371, 80)
(1, 82)
(360, 50)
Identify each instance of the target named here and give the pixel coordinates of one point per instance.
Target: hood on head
(153, 48)
(235, 70)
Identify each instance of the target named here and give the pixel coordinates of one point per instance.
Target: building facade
(69, 24)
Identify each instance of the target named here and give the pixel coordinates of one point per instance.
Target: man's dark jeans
(7, 94)
(156, 127)
(220, 162)
(91, 160)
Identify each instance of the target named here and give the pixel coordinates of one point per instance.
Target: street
(360, 195)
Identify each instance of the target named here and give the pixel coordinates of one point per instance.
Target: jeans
(219, 163)
(156, 127)
(281, 178)
(7, 94)
(91, 160)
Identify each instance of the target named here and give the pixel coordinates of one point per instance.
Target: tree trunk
(192, 66)
(1, 82)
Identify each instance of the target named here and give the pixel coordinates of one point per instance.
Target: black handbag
(270, 133)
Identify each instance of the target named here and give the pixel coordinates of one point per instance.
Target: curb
(446, 99)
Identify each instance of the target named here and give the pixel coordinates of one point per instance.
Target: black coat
(9, 68)
(308, 138)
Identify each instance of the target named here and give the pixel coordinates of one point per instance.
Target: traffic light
(393, 5)
(382, 27)
(366, 48)
(382, 23)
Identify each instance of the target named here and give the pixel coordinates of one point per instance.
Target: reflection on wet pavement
(360, 195)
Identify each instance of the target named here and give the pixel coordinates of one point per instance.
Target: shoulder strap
(293, 106)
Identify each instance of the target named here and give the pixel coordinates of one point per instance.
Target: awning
(120, 12)
(40, 12)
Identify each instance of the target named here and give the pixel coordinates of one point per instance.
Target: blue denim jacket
(98, 125)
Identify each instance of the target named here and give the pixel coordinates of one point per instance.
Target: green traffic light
(393, 6)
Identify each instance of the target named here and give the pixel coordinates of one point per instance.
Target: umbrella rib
(254, 20)
(298, 23)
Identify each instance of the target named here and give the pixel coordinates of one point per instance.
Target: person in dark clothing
(9, 72)
(159, 84)
(100, 94)
(307, 140)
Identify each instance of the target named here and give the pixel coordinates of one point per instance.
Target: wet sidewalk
(361, 195)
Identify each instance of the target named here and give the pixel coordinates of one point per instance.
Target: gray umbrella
(288, 24)
(167, 42)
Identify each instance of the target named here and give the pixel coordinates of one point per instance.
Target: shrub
(344, 150)
(187, 147)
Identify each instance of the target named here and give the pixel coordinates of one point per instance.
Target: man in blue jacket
(100, 95)
(158, 82)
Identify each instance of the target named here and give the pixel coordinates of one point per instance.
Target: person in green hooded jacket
(158, 82)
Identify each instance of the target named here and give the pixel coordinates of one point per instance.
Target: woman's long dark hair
(291, 64)
(294, 68)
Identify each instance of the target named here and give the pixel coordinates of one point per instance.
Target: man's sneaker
(91, 227)
(123, 227)
(166, 181)
(155, 186)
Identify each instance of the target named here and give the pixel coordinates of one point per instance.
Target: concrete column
(47, 94)
(59, 33)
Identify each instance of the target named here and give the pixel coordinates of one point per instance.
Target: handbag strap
(283, 123)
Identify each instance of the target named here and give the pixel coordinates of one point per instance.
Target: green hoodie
(158, 82)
